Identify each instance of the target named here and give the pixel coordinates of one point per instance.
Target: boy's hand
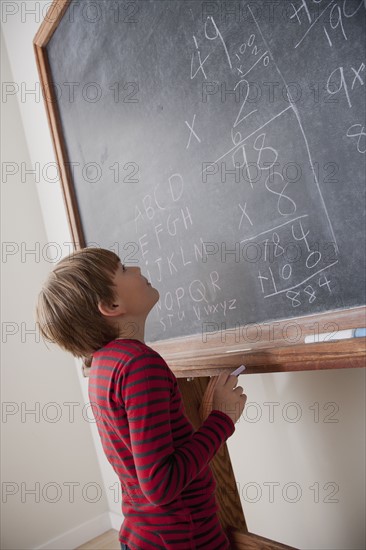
(223, 395)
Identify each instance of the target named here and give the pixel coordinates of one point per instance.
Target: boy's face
(134, 295)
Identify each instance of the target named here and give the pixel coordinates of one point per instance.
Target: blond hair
(67, 308)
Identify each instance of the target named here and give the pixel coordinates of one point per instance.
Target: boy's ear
(112, 310)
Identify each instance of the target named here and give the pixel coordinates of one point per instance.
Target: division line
(273, 228)
(301, 129)
(258, 60)
(313, 23)
(247, 137)
(302, 282)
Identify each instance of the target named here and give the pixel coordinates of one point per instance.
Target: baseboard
(82, 533)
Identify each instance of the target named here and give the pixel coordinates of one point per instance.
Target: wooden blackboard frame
(266, 347)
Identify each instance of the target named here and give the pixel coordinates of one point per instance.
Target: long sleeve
(146, 388)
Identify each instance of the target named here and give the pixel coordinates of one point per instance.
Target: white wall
(45, 451)
(298, 453)
(314, 461)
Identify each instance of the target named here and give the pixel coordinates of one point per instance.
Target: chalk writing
(358, 131)
(332, 17)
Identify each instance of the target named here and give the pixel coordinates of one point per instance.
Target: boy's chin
(156, 292)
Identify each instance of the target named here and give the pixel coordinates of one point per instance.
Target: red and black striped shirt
(168, 490)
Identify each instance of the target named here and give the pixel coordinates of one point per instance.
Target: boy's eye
(123, 267)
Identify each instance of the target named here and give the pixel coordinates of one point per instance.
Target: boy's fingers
(226, 379)
(214, 381)
(222, 378)
(231, 381)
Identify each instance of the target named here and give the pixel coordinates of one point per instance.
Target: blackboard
(221, 147)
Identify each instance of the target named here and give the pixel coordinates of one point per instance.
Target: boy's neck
(137, 334)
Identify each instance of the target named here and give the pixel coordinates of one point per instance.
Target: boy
(94, 307)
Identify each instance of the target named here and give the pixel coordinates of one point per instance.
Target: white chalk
(327, 336)
(237, 371)
(236, 350)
